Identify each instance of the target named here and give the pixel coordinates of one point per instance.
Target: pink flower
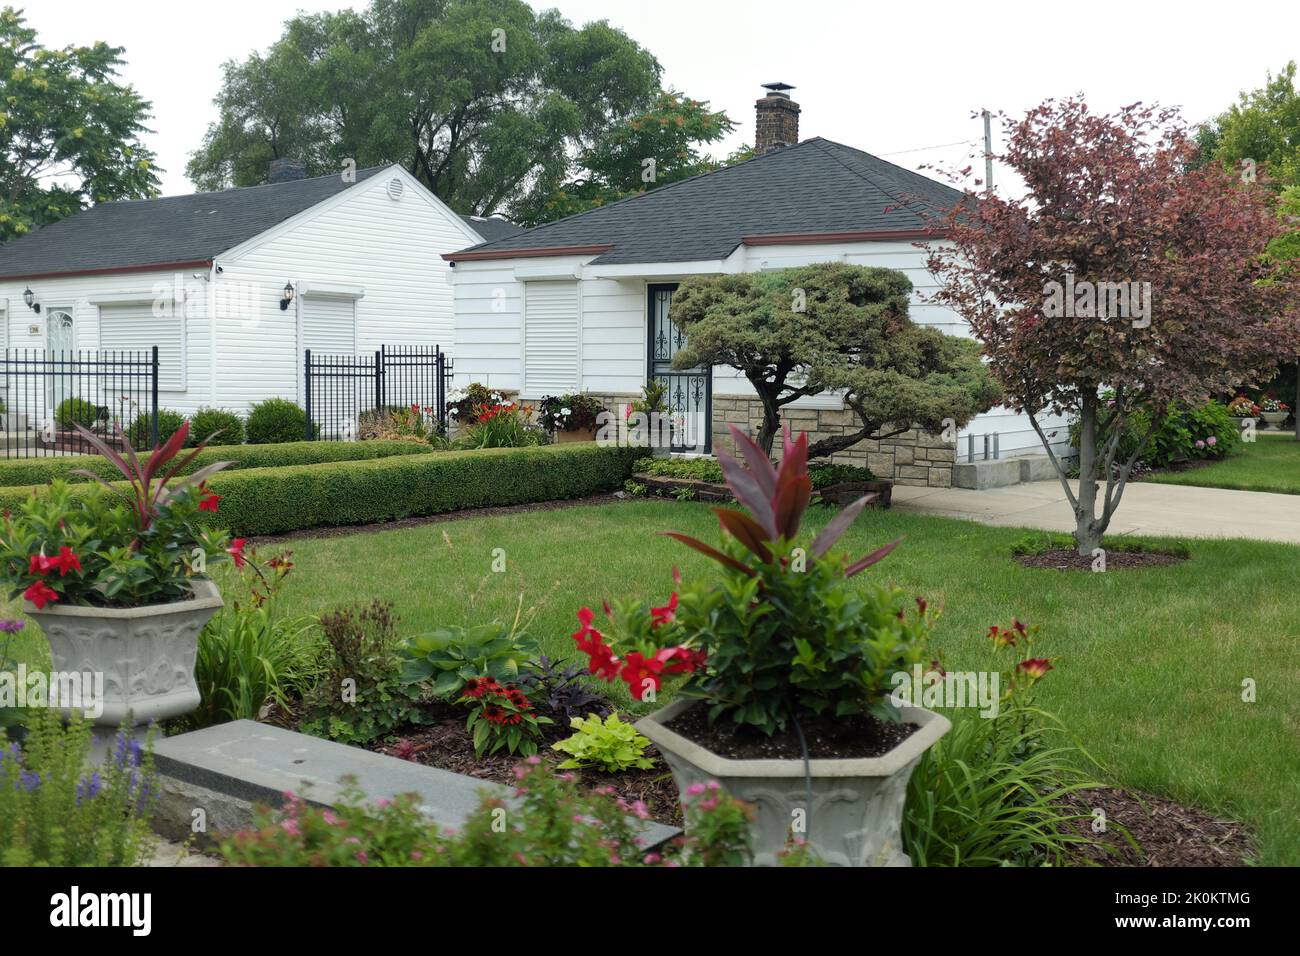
(1199, 443)
(290, 827)
(362, 858)
(695, 789)
(1212, 441)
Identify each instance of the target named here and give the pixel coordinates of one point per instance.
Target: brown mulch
(828, 737)
(446, 744)
(340, 531)
(1066, 559)
(1168, 833)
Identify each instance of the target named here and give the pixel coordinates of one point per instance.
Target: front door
(61, 345)
(690, 391)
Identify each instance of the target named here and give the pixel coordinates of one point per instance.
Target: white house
(583, 304)
(203, 277)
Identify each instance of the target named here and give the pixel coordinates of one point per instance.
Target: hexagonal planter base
(146, 654)
(857, 804)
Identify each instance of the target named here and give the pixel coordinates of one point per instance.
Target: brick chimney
(285, 170)
(777, 122)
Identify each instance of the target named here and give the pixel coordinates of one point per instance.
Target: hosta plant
(610, 745)
(782, 632)
(448, 657)
(128, 543)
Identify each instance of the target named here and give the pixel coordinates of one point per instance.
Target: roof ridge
(865, 176)
(234, 189)
(642, 195)
(960, 194)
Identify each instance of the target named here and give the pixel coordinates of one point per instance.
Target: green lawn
(1150, 662)
(1270, 463)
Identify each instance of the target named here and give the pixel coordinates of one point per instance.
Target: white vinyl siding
(550, 338)
(329, 324)
(132, 327)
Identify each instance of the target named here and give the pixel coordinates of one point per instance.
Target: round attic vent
(395, 187)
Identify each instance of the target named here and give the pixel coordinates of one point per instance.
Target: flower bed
(274, 500)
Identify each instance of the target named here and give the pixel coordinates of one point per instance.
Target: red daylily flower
(65, 561)
(41, 594)
(665, 614)
(236, 551)
(1001, 638)
(1034, 667)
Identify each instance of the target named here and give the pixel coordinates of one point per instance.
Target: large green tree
(488, 103)
(833, 327)
(69, 131)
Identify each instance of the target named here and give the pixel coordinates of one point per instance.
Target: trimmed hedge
(38, 471)
(272, 500)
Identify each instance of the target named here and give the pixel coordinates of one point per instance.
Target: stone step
(1000, 472)
(225, 770)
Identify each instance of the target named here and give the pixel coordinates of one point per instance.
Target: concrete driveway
(1147, 509)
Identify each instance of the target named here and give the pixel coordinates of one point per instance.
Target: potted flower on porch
(116, 576)
(789, 669)
(571, 417)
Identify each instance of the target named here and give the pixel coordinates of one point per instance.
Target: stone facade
(911, 458)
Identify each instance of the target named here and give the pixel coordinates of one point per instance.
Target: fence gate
(47, 393)
(340, 390)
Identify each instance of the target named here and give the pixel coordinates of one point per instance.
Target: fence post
(153, 390)
(380, 355)
(306, 389)
(439, 394)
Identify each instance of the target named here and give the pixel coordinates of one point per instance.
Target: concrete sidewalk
(1147, 509)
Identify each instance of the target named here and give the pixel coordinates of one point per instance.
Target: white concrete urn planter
(1274, 419)
(146, 654)
(857, 804)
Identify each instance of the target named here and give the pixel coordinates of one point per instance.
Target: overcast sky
(887, 78)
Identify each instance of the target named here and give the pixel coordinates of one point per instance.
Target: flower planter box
(700, 490)
(146, 654)
(848, 492)
(857, 804)
(579, 434)
(1274, 419)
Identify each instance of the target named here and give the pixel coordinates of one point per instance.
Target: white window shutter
(550, 338)
(132, 327)
(329, 324)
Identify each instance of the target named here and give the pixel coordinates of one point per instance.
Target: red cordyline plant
(1113, 211)
(783, 633)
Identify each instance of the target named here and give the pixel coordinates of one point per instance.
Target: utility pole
(988, 152)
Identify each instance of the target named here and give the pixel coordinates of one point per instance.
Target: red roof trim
(526, 253)
(806, 238)
(116, 270)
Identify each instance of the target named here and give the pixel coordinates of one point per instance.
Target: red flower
(680, 660)
(39, 564)
(1001, 638)
(641, 673)
(665, 614)
(66, 561)
(209, 500)
(494, 714)
(603, 662)
(474, 687)
(1034, 667)
(236, 551)
(41, 594)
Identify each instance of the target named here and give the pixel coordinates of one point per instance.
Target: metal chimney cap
(777, 89)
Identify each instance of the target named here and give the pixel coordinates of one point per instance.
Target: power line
(921, 149)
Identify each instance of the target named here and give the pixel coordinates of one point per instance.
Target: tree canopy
(69, 131)
(496, 108)
(832, 326)
(1115, 213)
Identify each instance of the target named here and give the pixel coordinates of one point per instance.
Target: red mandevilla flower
(641, 673)
(209, 499)
(65, 561)
(41, 594)
(665, 614)
(39, 564)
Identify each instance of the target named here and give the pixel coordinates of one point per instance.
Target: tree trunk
(1087, 532)
(771, 422)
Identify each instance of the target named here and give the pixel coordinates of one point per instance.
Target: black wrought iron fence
(45, 394)
(341, 390)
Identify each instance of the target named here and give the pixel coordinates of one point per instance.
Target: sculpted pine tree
(837, 327)
(1123, 268)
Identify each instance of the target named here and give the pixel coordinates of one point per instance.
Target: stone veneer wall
(911, 458)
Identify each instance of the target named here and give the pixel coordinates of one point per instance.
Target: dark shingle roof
(144, 232)
(817, 186)
(492, 228)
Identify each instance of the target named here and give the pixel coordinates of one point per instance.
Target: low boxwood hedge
(272, 500)
(38, 471)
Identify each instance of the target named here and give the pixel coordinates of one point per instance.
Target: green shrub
(140, 432)
(76, 411)
(361, 697)
(555, 822)
(56, 810)
(34, 471)
(218, 426)
(273, 500)
(276, 420)
(823, 475)
(610, 745)
(249, 654)
(1207, 432)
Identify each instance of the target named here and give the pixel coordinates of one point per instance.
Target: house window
(551, 320)
(133, 327)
